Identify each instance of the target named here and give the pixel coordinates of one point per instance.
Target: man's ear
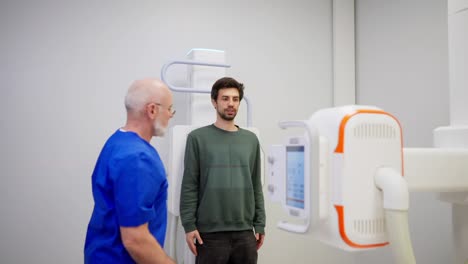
(213, 102)
(152, 110)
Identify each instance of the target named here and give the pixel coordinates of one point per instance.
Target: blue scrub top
(129, 189)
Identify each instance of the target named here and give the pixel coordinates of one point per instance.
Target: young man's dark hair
(227, 82)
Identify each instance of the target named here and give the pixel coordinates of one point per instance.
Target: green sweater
(221, 187)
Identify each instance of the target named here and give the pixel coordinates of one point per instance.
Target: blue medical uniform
(129, 189)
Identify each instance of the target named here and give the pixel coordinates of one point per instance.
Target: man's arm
(189, 194)
(142, 246)
(190, 186)
(259, 218)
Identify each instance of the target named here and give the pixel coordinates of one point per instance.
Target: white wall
(65, 67)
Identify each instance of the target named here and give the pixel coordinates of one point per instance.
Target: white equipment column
(456, 135)
(344, 72)
(201, 111)
(458, 61)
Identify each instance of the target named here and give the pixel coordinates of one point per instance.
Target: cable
(398, 236)
(396, 203)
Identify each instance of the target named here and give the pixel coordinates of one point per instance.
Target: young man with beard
(128, 223)
(221, 204)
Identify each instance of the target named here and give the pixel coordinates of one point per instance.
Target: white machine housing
(354, 141)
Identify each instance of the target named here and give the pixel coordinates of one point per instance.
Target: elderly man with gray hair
(128, 223)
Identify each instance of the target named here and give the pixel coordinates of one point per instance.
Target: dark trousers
(233, 247)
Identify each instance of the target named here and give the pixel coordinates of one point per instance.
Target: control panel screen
(295, 176)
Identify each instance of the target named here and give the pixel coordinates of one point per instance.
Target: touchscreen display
(295, 176)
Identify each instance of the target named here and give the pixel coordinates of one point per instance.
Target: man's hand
(190, 238)
(260, 238)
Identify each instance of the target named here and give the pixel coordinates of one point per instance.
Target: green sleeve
(190, 186)
(259, 218)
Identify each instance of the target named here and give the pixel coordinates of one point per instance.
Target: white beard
(159, 130)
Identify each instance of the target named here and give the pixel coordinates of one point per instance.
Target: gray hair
(139, 94)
